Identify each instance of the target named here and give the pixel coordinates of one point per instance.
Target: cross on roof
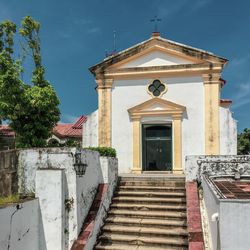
(155, 20)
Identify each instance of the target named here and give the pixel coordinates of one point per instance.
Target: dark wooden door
(157, 147)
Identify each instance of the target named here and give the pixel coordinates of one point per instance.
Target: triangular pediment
(157, 106)
(155, 56)
(156, 51)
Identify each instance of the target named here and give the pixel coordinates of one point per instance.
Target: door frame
(166, 109)
(143, 148)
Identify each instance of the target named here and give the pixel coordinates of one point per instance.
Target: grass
(9, 199)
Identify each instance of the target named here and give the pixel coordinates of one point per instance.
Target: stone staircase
(148, 212)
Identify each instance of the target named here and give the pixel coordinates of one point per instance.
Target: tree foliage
(244, 142)
(32, 109)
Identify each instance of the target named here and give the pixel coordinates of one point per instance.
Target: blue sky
(76, 34)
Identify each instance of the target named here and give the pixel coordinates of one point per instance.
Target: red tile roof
(70, 130)
(60, 130)
(6, 131)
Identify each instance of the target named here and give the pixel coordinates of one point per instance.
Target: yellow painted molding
(177, 131)
(164, 71)
(212, 116)
(104, 113)
(136, 146)
(168, 109)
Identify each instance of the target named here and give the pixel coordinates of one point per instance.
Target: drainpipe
(215, 218)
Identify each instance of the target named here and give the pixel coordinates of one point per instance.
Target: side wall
(90, 131)
(234, 225)
(188, 91)
(20, 226)
(228, 132)
(212, 206)
(79, 190)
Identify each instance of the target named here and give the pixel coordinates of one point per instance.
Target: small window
(156, 88)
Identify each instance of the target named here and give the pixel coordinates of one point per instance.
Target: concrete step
(150, 200)
(150, 193)
(103, 246)
(152, 176)
(146, 222)
(145, 231)
(155, 183)
(148, 207)
(142, 240)
(149, 214)
(152, 188)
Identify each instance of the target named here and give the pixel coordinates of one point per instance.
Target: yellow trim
(163, 71)
(136, 147)
(104, 112)
(177, 132)
(212, 104)
(162, 93)
(168, 109)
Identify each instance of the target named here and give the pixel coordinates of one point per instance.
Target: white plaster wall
(228, 132)
(86, 187)
(186, 91)
(234, 224)
(110, 173)
(156, 58)
(82, 190)
(50, 189)
(232, 230)
(19, 227)
(90, 131)
(212, 207)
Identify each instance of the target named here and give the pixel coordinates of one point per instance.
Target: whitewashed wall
(232, 229)
(90, 131)
(186, 91)
(19, 226)
(81, 190)
(228, 132)
(110, 175)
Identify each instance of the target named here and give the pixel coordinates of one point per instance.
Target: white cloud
(242, 97)
(94, 30)
(175, 7)
(200, 4)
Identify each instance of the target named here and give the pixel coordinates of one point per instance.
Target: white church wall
(155, 58)
(90, 131)
(186, 91)
(228, 132)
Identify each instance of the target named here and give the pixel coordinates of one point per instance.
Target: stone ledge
(195, 233)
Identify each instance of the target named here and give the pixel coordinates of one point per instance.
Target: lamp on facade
(79, 165)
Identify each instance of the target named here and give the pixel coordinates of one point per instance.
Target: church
(158, 102)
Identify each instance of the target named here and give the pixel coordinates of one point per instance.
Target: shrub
(104, 151)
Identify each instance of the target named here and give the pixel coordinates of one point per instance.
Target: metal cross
(156, 20)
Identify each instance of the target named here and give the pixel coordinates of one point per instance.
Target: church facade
(158, 102)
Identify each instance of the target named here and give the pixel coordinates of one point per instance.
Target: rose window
(156, 88)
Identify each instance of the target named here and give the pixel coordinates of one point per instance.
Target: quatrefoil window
(156, 88)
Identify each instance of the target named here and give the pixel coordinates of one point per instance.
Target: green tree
(244, 142)
(31, 108)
